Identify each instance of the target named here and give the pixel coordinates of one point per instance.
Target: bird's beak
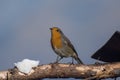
(50, 28)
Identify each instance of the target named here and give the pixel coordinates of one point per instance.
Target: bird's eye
(57, 30)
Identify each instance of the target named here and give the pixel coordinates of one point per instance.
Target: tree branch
(94, 71)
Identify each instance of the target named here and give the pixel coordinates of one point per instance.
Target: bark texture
(87, 72)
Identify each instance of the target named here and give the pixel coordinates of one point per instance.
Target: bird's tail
(78, 60)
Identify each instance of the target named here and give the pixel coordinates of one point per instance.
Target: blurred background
(24, 28)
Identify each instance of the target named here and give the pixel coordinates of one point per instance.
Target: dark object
(110, 52)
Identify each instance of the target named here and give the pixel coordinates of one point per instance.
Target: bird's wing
(68, 42)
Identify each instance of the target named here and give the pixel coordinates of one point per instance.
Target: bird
(62, 46)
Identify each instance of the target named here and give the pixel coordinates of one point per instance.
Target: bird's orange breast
(57, 41)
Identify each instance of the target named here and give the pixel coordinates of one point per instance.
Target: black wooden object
(110, 52)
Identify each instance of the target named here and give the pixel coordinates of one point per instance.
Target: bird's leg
(71, 63)
(58, 59)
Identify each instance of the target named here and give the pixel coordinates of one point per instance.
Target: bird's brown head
(55, 31)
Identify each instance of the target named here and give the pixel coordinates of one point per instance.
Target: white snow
(25, 66)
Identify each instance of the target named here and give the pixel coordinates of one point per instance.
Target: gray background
(24, 28)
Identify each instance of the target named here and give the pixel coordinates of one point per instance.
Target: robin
(62, 46)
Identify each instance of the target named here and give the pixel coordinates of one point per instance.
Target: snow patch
(25, 66)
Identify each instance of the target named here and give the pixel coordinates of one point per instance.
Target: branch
(87, 72)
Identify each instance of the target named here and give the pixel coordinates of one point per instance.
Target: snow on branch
(93, 71)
